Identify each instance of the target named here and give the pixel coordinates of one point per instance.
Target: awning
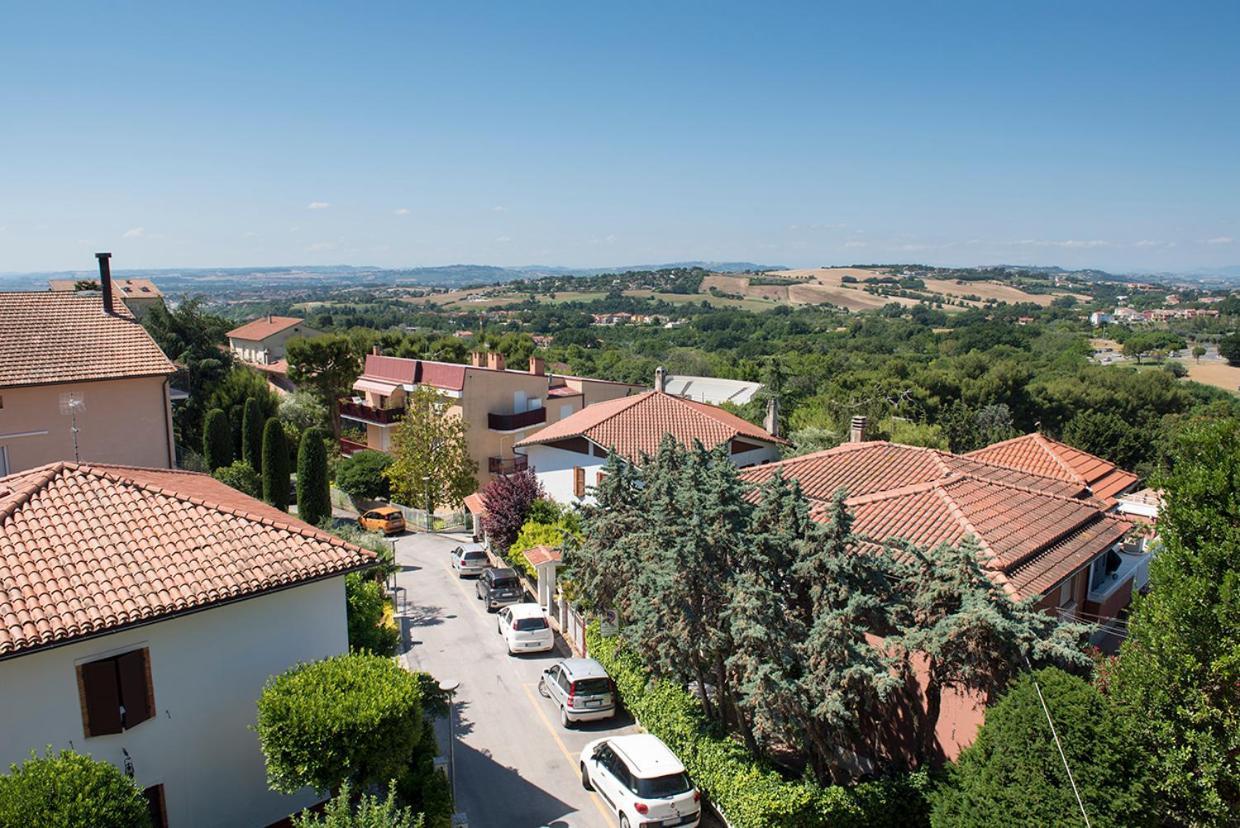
(473, 503)
(375, 386)
(540, 555)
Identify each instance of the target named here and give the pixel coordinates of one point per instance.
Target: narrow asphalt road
(515, 765)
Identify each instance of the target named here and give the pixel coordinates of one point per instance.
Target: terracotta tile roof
(1039, 454)
(89, 549)
(1030, 540)
(475, 504)
(54, 337)
(541, 555)
(636, 425)
(125, 288)
(446, 375)
(876, 466)
(263, 327)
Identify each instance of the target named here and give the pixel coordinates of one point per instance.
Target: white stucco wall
(554, 468)
(207, 670)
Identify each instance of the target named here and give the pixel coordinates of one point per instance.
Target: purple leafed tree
(507, 500)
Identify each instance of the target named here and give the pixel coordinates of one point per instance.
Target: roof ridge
(954, 509)
(1044, 443)
(957, 477)
(47, 471)
(305, 530)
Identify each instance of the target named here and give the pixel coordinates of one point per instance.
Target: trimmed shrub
(314, 503)
(252, 435)
(68, 789)
(216, 440)
(369, 811)
(743, 789)
(361, 476)
(275, 465)
(365, 601)
(351, 718)
(241, 476)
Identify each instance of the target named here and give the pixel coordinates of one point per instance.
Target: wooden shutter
(132, 672)
(579, 481)
(101, 702)
(155, 805)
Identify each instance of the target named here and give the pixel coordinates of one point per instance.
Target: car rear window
(530, 624)
(474, 556)
(591, 686)
(663, 786)
(505, 583)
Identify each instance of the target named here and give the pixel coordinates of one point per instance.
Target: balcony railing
(508, 465)
(349, 447)
(512, 422)
(370, 414)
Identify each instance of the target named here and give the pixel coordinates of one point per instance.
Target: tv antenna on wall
(71, 403)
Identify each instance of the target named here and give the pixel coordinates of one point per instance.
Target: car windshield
(591, 686)
(505, 583)
(530, 624)
(663, 786)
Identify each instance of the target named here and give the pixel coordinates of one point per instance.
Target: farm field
(1214, 372)
(991, 290)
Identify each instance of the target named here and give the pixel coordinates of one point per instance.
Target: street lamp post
(430, 522)
(449, 687)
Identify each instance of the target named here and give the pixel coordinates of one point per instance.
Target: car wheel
(624, 821)
(585, 778)
(566, 722)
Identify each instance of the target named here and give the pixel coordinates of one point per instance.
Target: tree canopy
(431, 461)
(67, 790)
(328, 366)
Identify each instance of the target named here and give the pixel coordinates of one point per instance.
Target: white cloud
(318, 205)
(1220, 240)
(401, 211)
(503, 240)
(134, 233)
(1069, 243)
(1148, 243)
(855, 243)
(499, 209)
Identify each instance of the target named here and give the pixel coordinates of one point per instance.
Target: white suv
(525, 629)
(642, 781)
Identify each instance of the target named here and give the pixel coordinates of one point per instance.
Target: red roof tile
(541, 555)
(88, 549)
(1039, 454)
(263, 327)
(51, 337)
(636, 425)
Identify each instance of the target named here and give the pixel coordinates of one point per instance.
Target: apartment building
(501, 406)
(80, 379)
(139, 295)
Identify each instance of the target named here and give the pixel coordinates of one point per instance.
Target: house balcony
(354, 410)
(508, 465)
(350, 447)
(516, 421)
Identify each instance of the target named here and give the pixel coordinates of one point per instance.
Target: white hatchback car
(643, 782)
(525, 629)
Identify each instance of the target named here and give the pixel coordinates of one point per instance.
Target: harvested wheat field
(1214, 372)
(993, 290)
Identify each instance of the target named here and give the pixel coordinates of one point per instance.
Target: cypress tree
(313, 498)
(217, 447)
(275, 465)
(252, 435)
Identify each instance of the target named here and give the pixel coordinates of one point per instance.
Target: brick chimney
(105, 280)
(375, 350)
(495, 361)
(771, 421)
(478, 359)
(857, 433)
(660, 379)
(538, 366)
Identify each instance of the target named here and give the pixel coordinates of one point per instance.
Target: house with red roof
(263, 340)
(568, 456)
(501, 406)
(1038, 454)
(142, 611)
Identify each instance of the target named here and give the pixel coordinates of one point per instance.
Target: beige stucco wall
(253, 350)
(125, 421)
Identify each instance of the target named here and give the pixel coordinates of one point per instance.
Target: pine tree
(216, 440)
(275, 465)
(313, 498)
(602, 566)
(252, 435)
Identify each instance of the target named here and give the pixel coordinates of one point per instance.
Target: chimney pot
(495, 361)
(105, 280)
(538, 366)
(477, 359)
(771, 422)
(660, 379)
(857, 432)
(375, 350)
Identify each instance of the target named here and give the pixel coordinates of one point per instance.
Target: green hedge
(748, 793)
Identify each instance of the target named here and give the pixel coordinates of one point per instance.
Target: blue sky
(1074, 133)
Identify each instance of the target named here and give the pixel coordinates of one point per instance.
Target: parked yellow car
(386, 519)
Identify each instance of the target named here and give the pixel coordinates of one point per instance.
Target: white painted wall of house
(554, 468)
(207, 671)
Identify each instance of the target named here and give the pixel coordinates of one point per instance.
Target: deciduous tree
(241, 476)
(431, 462)
(508, 499)
(69, 789)
(328, 366)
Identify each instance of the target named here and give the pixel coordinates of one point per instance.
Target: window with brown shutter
(116, 692)
(579, 481)
(155, 805)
